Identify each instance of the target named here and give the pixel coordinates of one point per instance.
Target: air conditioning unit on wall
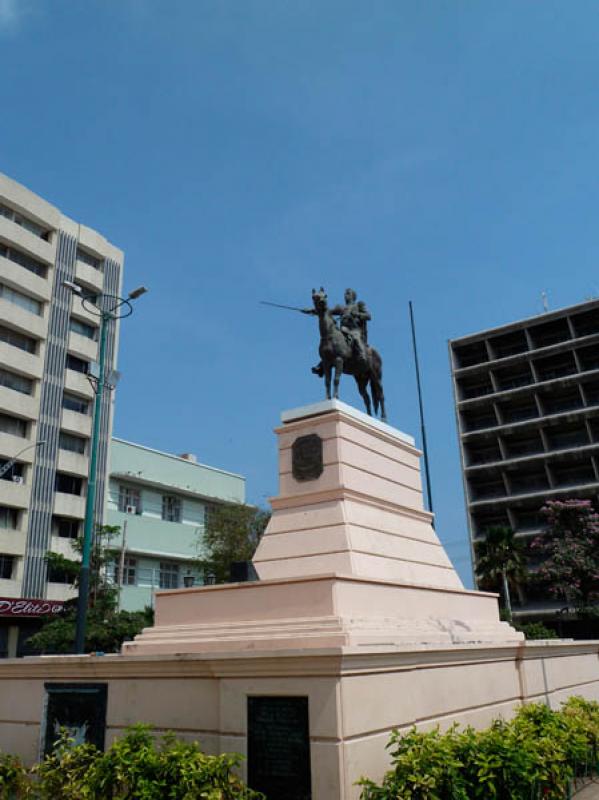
(131, 509)
(17, 479)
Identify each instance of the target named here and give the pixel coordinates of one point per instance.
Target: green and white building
(161, 503)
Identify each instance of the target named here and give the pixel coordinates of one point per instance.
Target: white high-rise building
(48, 348)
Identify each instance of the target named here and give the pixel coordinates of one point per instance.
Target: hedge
(135, 767)
(538, 754)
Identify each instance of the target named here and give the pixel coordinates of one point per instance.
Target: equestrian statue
(344, 348)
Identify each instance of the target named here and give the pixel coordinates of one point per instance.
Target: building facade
(160, 503)
(48, 349)
(527, 406)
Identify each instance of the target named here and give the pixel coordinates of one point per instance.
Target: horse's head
(320, 300)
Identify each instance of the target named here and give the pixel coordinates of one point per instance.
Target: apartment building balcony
(69, 505)
(91, 278)
(19, 278)
(78, 383)
(10, 588)
(22, 320)
(82, 312)
(60, 591)
(29, 364)
(82, 347)
(18, 404)
(72, 463)
(73, 422)
(14, 494)
(27, 241)
(63, 546)
(10, 445)
(13, 542)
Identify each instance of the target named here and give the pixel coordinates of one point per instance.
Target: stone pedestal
(349, 557)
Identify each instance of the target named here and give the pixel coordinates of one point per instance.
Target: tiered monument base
(349, 557)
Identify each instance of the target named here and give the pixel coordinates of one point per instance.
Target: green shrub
(535, 755)
(536, 630)
(13, 777)
(135, 767)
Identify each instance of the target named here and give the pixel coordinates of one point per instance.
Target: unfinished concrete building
(527, 407)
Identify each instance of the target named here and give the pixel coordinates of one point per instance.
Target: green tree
(569, 548)
(232, 534)
(500, 560)
(106, 627)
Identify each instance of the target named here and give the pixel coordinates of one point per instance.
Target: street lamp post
(112, 308)
(10, 464)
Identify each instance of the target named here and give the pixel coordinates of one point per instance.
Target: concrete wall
(356, 698)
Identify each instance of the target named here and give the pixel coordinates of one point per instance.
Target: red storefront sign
(29, 607)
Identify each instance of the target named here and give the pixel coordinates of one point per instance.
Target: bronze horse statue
(338, 355)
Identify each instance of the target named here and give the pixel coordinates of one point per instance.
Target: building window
(13, 425)
(169, 575)
(6, 566)
(18, 340)
(74, 444)
(129, 572)
(9, 518)
(68, 484)
(171, 508)
(74, 403)
(58, 573)
(129, 499)
(24, 222)
(210, 509)
(87, 258)
(77, 364)
(10, 380)
(14, 474)
(82, 328)
(23, 260)
(20, 299)
(65, 527)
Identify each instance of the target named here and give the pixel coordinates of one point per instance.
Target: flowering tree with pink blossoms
(570, 551)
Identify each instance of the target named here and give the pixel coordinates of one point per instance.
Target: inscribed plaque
(279, 747)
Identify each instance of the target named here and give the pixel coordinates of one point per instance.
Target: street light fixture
(10, 464)
(108, 308)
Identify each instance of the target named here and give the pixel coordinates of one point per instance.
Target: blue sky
(443, 152)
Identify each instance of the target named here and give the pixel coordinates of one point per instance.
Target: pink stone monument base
(349, 558)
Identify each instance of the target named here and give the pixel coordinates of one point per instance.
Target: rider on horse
(354, 317)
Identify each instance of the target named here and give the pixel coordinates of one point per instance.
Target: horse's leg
(362, 388)
(375, 396)
(328, 368)
(338, 371)
(381, 395)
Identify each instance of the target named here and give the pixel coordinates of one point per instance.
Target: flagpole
(422, 425)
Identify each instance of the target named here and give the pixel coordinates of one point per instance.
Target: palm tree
(500, 556)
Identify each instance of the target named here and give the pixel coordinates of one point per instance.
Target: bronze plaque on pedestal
(279, 747)
(306, 457)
